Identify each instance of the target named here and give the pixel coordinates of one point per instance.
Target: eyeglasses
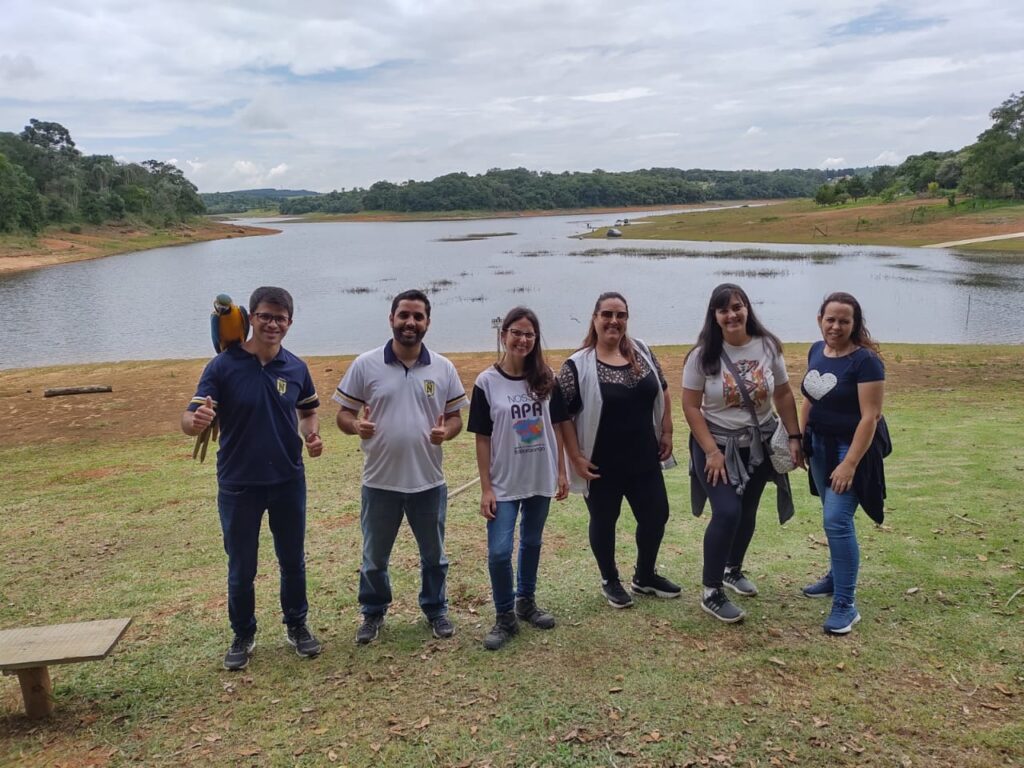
(607, 314)
(267, 318)
(517, 334)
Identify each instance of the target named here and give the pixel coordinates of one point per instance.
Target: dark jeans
(733, 517)
(241, 515)
(380, 518)
(647, 498)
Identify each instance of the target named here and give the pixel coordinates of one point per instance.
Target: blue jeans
(380, 518)
(500, 533)
(838, 510)
(241, 510)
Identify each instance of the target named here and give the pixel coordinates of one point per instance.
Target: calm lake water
(156, 304)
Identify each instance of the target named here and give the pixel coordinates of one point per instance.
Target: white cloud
(832, 162)
(888, 157)
(625, 94)
(343, 94)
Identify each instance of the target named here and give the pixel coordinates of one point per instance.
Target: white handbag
(781, 458)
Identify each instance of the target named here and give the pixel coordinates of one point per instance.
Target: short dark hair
(413, 294)
(269, 294)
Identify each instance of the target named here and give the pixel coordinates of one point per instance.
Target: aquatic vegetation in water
(504, 272)
(474, 236)
(818, 257)
(522, 289)
(753, 272)
(435, 286)
(534, 254)
(358, 289)
(991, 257)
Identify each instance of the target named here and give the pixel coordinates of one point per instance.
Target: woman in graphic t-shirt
(729, 459)
(619, 439)
(843, 390)
(513, 412)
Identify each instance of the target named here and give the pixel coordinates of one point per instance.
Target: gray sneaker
(736, 580)
(240, 652)
(719, 606)
(370, 628)
(442, 627)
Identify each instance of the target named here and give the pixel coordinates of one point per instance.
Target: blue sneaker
(823, 587)
(844, 615)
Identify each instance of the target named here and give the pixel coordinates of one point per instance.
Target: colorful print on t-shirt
(754, 381)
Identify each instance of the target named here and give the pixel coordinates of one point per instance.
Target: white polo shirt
(404, 404)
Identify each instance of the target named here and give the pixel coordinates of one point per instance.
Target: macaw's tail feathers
(203, 440)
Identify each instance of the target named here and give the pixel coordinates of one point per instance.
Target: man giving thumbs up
(414, 397)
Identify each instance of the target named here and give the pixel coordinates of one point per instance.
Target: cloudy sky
(331, 94)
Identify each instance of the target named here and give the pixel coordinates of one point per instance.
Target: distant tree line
(45, 179)
(991, 168)
(521, 189)
(244, 200)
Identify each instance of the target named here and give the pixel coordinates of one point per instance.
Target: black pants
(733, 517)
(649, 501)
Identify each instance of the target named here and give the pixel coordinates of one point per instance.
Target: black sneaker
(239, 653)
(528, 610)
(303, 641)
(736, 580)
(370, 628)
(719, 606)
(442, 627)
(506, 626)
(655, 585)
(616, 596)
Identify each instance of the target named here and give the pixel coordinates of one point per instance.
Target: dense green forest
(992, 167)
(243, 200)
(521, 189)
(45, 179)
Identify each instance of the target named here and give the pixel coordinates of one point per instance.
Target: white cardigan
(589, 416)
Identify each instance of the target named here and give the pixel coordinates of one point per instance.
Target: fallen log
(91, 390)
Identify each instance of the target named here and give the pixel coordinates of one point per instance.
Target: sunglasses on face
(608, 314)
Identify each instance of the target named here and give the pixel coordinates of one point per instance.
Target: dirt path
(149, 396)
(988, 239)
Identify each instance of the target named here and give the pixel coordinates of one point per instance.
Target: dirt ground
(57, 246)
(149, 396)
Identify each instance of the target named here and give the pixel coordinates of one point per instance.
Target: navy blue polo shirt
(256, 407)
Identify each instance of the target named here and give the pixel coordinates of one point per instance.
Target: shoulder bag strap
(742, 387)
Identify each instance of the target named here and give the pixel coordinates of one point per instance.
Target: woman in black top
(619, 435)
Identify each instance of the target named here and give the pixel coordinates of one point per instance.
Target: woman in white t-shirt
(729, 461)
(514, 408)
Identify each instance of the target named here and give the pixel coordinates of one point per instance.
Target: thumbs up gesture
(365, 428)
(439, 432)
(203, 415)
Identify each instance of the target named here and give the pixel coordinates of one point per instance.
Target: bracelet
(797, 436)
(311, 435)
(713, 453)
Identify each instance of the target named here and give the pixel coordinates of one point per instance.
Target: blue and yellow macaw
(229, 325)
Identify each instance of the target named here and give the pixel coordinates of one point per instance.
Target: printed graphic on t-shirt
(754, 381)
(527, 422)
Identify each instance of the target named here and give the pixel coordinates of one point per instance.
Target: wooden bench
(27, 653)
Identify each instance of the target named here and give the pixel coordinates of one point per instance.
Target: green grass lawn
(933, 675)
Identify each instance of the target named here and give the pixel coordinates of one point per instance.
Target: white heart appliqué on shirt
(818, 385)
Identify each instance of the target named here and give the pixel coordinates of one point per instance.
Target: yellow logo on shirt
(282, 386)
(429, 388)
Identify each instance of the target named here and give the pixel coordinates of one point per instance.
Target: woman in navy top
(843, 390)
